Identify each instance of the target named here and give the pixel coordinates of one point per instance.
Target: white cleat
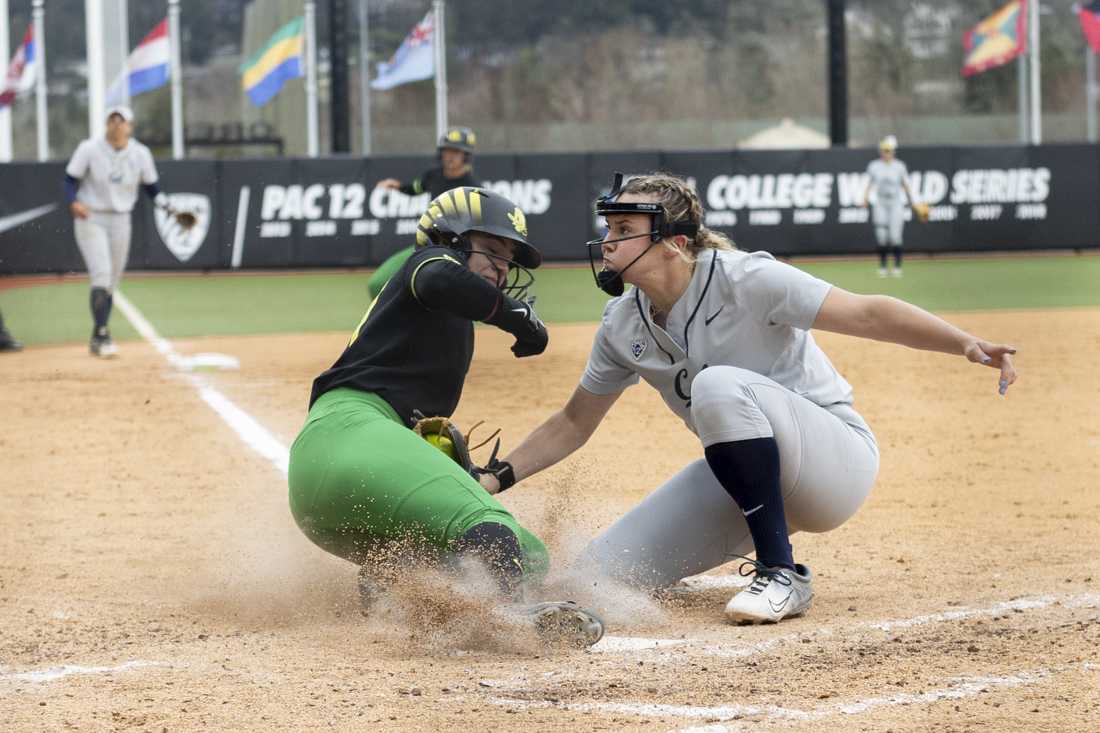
(773, 595)
(108, 350)
(564, 623)
(882, 272)
(104, 348)
(896, 272)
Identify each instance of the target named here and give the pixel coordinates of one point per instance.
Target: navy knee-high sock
(101, 310)
(498, 548)
(749, 471)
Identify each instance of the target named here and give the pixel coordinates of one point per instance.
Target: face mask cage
(518, 280)
(610, 281)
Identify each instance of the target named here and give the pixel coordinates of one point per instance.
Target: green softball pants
(363, 484)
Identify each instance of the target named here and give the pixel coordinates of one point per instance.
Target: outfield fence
(326, 212)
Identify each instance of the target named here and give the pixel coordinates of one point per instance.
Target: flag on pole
(996, 40)
(147, 66)
(1089, 15)
(20, 76)
(280, 59)
(414, 59)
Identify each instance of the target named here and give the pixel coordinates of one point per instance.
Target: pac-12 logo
(183, 243)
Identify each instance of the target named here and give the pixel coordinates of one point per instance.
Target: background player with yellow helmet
(456, 168)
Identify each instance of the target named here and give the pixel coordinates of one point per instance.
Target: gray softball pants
(828, 463)
(104, 242)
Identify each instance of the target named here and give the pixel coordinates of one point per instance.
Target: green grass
(255, 304)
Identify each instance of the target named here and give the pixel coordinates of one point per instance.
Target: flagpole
(93, 26)
(176, 74)
(1036, 92)
(311, 79)
(124, 41)
(1021, 96)
(364, 76)
(5, 113)
(1090, 93)
(440, 44)
(42, 112)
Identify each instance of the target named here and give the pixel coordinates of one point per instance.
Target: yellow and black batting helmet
(454, 214)
(459, 138)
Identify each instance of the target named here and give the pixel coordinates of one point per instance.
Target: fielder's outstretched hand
(997, 356)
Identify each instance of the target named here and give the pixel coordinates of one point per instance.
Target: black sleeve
(445, 285)
(415, 187)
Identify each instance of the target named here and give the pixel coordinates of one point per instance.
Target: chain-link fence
(578, 76)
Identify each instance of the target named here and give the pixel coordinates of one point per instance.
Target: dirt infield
(152, 579)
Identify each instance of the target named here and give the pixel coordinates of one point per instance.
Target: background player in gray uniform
(724, 336)
(101, 183)
(888, 177)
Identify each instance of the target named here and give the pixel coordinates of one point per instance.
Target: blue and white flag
(147, 68)
(414, 60)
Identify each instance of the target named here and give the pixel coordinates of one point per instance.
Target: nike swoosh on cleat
(778, 608)
(706, 321)
(15, 220)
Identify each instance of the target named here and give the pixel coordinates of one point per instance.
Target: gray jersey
(741, 309)
(109, 178)
(887, 179)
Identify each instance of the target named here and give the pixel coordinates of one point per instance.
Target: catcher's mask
(611, 281)
(452, 215)
(458, 138)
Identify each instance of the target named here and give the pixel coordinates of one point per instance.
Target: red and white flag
(1089, 15)
(20, 76)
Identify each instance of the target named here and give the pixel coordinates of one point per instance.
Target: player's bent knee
(724, 405)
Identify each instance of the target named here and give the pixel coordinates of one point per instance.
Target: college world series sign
(327, 213)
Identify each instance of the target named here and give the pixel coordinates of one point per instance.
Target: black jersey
(434, 182)
(415, 342)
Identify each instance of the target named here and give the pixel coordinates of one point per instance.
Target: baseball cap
(124, 112)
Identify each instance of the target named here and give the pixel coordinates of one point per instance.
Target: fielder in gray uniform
(101, 184)
(887, 178)
(724, 336)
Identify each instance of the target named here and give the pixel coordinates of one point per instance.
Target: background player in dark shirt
(7, 341)
(456, 168)
(363, 485)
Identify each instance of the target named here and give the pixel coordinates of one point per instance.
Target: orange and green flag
(996, 40)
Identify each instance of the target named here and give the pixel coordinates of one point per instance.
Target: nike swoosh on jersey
(15, 220)
(706, 321)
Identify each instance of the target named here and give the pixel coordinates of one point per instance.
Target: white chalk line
(55, 673)
(254, 435)
(958, 688)
(629, 644)
(250, 431)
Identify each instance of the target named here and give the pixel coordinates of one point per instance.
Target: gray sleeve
(784, 295)
(148, 168)
(78, 164)
(604, 374)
